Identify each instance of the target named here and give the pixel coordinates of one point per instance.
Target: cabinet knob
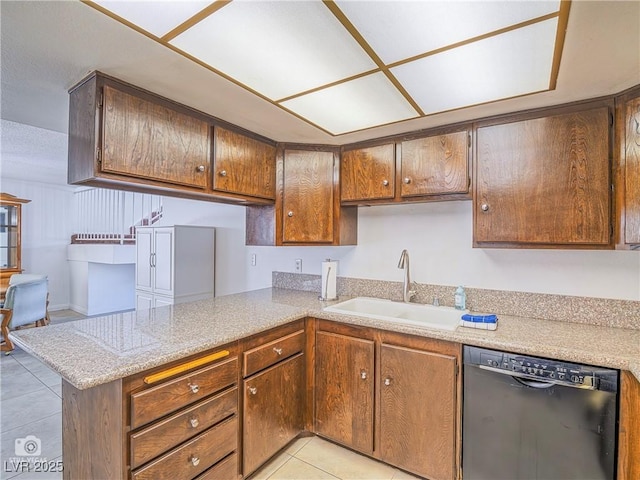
(223, 173)
(363, 375)
(387, 381)
(277, 350)
(253, 390)
(385, 183)
(200, 168)
(194, 388)
(194, 422)
(407, 180)
(290, 214)
(484, 207)
(194, 461)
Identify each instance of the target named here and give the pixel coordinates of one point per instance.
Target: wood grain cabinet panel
(195, 456)
(167, 397)
(273, 410)
(161, 436)
(545, 181)
(308, 213)
(344, 390)
(368, 173)
(271, 353)
(629, 168)
(148, 140)
(418, 411)
(243, 165)
(435, 165)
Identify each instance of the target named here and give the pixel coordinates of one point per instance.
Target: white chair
(25, 302)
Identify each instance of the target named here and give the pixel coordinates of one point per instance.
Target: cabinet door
(163, 261)
(368, 173)
(308, 197)
(344, 390)
(273, 411)
(544, 180)
(149, 140)
(632, 171)
(435, 165)
(243, 165)
(144, 259)
(418, 411)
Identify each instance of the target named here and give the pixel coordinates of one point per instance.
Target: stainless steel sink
(443, 318)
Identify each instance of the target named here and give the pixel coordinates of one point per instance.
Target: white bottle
(460, 298)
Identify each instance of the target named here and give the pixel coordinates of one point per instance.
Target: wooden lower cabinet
(418, 411)
(273, 411)
(344, 390)
(391, 396)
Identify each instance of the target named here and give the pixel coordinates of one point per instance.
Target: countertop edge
(73, 373)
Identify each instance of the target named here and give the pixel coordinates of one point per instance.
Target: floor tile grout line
(316, 467)
(4, 432)
(277, 469)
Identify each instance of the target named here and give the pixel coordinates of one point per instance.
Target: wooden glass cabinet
(10, 246)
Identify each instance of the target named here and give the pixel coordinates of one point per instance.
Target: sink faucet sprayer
(407, 293)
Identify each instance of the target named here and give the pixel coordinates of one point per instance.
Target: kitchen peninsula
(109, 374)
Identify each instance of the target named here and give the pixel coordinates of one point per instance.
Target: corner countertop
(94, 351)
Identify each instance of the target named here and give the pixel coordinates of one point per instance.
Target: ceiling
(345, 66)
(47, 47)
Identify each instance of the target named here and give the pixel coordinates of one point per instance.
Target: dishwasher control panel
(539, 369)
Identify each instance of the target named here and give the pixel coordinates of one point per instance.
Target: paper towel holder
(326, 287)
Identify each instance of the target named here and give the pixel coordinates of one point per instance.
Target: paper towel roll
(329, 280)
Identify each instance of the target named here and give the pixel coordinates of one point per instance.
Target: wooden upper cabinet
(544, 182)
(308, 202)
(628, 171)
(243, 165)
(368, 173)
(150, 140)
(435, 165)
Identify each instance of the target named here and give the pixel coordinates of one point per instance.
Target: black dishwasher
(532, 418)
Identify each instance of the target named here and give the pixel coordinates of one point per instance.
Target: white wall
(46, 231)
(438, 237)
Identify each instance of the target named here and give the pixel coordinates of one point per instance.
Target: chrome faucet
(407, 293)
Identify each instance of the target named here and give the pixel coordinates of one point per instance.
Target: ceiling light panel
(157, 17)
(278, 49)
(398, 30)
(515, 63)
(354, 105)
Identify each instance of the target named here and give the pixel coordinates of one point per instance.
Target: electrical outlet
(253, 259)
(298, 265)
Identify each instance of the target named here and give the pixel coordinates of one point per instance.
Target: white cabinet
(174, 265)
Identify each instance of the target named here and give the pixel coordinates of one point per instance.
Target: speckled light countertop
(97, 350)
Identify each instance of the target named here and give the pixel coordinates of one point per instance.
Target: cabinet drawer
(166, 434)
(271, 353)
(195, 456)
(225, 469)
(156, 402)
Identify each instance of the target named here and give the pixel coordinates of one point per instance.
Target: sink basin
(443, 318)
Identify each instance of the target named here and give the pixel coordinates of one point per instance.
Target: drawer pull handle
(385, 183)
(194, 461)
(387, 381)
(194, 422)
(223, 173)
(253, 390)
(277, 350)
(194, 388)
(200, 168)
(363, 375)
(156, 377)
(407, 180)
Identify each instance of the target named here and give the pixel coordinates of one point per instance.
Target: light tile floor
(30, 404)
